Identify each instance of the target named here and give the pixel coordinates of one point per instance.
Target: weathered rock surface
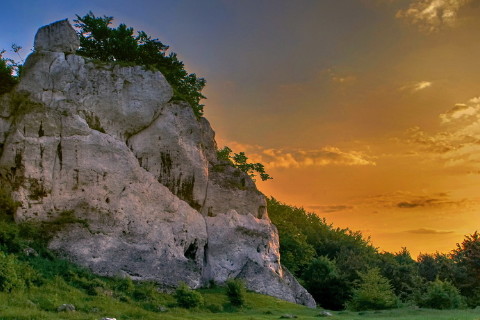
(141, 172)
(58, 36)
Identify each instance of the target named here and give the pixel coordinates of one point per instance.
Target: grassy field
(42, 303)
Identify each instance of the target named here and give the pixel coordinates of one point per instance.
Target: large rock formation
(106, 142)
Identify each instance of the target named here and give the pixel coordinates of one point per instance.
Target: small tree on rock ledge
(240, 161)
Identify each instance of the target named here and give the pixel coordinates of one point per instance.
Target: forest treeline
(341, 268)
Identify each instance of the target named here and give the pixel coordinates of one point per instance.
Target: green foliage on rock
(240, 161)
(100, 41)
(374, 292)
(236, 292)
(7, 78)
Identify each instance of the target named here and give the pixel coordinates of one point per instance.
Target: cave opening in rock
(191, 251)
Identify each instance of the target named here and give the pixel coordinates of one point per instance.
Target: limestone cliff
(106, 142)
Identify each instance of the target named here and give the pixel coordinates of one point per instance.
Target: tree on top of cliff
(240, 161)
(100, 41)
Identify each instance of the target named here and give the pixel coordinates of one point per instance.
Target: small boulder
(66, 307)
(288, 316)
(324, 314)
(108, 319)
(30, 252)
(57, 37)
(161, 308)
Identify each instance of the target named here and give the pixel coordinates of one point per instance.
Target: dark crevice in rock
(205, 254)
(18, 159)
(59, 154)
(41, 133)
(191, 252)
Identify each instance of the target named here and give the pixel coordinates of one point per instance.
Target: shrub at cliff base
(236, 292)
(187, 298)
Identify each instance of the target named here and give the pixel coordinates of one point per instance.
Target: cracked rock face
(103, 141)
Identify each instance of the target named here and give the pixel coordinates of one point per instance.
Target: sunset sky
(366, 112)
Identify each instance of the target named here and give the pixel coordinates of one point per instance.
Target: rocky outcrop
(104, 142)
(57, 37)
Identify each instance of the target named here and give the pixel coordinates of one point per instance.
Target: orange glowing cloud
(299, 158)
(459, 143)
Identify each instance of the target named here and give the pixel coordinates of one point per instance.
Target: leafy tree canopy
(98, 40)
(468, 253)
(402, 271)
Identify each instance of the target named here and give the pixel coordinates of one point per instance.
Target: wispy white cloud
(417, 86)
(432, 15)
(422, 85)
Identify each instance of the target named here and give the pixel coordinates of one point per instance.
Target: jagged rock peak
(57, 37)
